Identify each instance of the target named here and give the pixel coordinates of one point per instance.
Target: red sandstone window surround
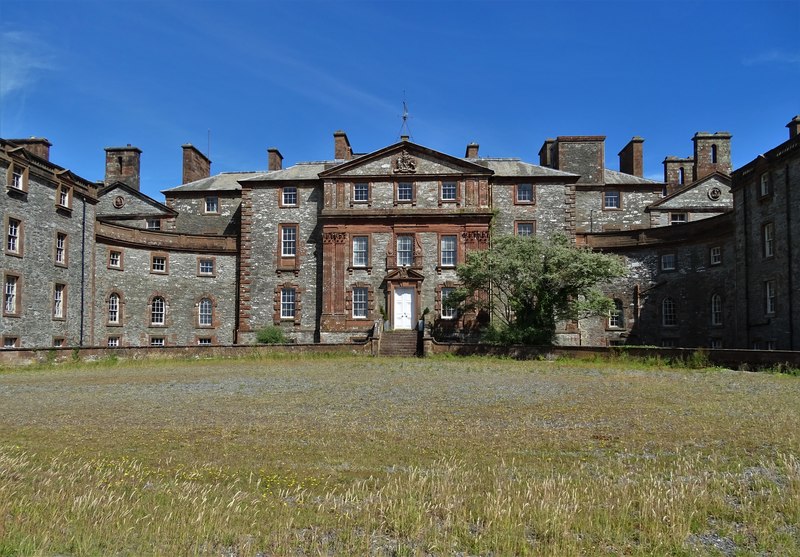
(612, 200)
(524, 194)
(61, 252)
(288, 196)
(361, 193)
(59, 302)
(12, 291)
(14, 237)
(525, 228)
(159, 263)
(206, 267)
(405, 192)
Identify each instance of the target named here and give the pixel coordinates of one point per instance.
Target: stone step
(399, 343)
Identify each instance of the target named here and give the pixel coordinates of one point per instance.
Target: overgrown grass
(355, 456)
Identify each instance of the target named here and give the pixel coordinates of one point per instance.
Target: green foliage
(528, 284)
(271, 334)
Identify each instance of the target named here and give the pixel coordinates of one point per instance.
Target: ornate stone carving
(334, 238)
(714, 194)
(477, 236)
(405, 164)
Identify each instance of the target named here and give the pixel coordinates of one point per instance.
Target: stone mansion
(328, 250)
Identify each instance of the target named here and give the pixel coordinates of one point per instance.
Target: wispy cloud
(22, 59)
(773, 57)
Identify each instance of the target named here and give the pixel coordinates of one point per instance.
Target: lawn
(367, 456)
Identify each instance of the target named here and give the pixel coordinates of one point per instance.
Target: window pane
(360, 257)
(361, 192)
(524, 193)
(524, 229)
(289, 241)
(360, 296)
(113, 308)
(405, 191)
(11, 295)
(611, 200)
(448, 251)
(206, 312)
(447, 312)
(405, 253)
(158, 311)
(290, 195)
(287, 303)
(448, 191)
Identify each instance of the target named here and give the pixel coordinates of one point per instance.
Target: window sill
(64, 210)
(14, 254)
(17, 192)
(61, 265)
(353, 268)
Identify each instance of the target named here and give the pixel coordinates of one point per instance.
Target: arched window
(668, 318)
(205, 314)
(113, 309)
(681, 176)
(158, 311)
(716, 309)
(713, 154)
(616, 319)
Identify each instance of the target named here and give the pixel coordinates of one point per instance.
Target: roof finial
(405, 131)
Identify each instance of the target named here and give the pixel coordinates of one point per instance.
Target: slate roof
(612, 177)
(299, 171)
(516, 167)
(226, 181)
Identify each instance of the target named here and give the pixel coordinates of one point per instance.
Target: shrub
(271, 334)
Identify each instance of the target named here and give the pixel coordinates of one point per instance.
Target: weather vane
(405, 131)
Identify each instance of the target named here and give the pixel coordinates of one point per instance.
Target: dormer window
(64, 196)
(17, 178)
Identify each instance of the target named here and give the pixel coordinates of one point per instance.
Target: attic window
(153, 224)
(212, 204)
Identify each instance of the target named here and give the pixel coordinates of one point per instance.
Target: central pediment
(406, 159)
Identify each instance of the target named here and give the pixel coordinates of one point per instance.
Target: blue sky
(89, 75)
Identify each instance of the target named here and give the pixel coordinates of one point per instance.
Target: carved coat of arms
(405, 164)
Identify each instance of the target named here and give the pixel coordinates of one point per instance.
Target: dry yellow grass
(359, 456)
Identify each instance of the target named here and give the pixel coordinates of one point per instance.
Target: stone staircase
(399, 343)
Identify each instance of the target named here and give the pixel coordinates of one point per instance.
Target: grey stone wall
(780, 208)
(592, 217)
(265, 279)
(35, 324)
(192, 218)
(548, 211)
(181, 288)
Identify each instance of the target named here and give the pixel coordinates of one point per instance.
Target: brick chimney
(38, 146)
(794, 127)
(196, 165)
(472, 151)
(341, 146)
(122, 165)
(274, 159)
(546, 157)
(712, 153)
(631, 158)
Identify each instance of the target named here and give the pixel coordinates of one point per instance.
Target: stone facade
(329, 251)
(767, 208)
(48, 229)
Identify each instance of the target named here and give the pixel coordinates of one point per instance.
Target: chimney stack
(582, 154)
(38, 146)
(341, 146)
(274, 159)
(196, 165)
(678, 172)
(122, 165)
(631, 158)
(472, 151)
(712, 153)
(546, 157)
(794, 127)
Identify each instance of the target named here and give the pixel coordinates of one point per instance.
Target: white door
(403, 308)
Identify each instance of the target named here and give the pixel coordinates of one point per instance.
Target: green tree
(528, 284)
